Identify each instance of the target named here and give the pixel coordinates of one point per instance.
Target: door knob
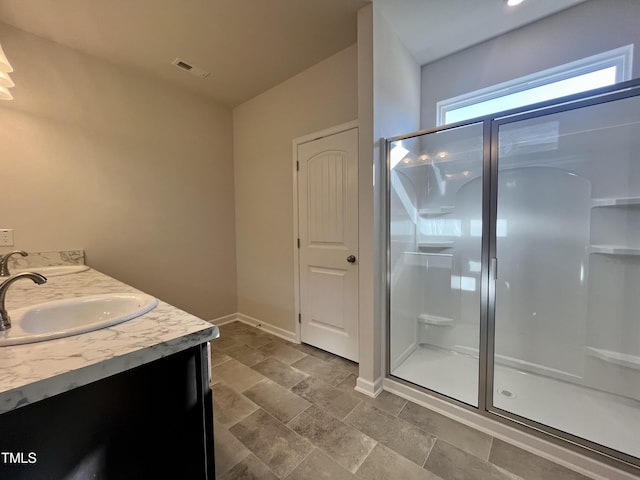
(351, 259)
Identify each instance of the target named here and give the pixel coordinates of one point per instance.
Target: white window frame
(621, 58)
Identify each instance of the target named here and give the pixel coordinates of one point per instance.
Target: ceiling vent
(187, 67)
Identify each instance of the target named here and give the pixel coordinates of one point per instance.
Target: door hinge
(299, 318)
(297, 166)
(298, 243)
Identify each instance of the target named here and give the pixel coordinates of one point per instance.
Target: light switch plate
(6, 237)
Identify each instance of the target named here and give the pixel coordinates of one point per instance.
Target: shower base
(603, 418)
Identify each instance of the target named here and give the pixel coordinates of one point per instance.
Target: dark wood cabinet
(153, 421)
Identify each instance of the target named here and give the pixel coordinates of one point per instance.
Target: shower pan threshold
(608, 419)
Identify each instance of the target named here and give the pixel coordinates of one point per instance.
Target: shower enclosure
(514, 266)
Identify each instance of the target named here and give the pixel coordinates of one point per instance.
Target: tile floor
(287, 411)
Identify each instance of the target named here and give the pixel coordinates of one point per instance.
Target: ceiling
(250, 46)
(433, 29)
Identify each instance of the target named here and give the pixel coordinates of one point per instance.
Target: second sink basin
(72, 316)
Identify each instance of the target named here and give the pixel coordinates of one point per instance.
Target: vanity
(131, 400)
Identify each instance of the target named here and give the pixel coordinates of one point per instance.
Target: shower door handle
(494, 268)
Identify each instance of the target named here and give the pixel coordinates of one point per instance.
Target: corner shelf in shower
(614, 250)
(436, 245)
(435, 212)
(631, 202)
(428, 319)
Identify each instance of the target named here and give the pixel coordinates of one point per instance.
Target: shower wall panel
(404, 267)
(541, 287)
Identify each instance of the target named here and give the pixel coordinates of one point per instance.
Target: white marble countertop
(32, 372)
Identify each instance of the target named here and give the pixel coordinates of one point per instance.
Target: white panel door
(328, 232)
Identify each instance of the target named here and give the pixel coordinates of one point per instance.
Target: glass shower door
(567, 242)
(435, 240)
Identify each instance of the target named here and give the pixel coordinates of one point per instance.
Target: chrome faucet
(5, 321)
(4, 262)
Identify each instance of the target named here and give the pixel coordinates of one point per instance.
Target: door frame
(343, 127)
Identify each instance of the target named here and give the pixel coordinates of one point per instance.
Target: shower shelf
(614, 250)
(435, 320)
(436, 245)
(631, 202)
(435, 212)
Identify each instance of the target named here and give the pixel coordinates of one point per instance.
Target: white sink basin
(71, 316)
(55, 270)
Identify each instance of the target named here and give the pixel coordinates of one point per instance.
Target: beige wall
(264, 128)
(137, 173)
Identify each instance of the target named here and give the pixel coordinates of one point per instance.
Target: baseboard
(272, 329)
(224, 319)
(371, 389)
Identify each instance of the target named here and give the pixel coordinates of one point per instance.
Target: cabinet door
(153, 421)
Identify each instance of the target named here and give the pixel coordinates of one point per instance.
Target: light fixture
(5, 79)
(513, 3)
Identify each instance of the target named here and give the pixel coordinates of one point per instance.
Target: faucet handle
(4, 262)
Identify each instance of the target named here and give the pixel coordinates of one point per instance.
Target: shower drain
(506, 393)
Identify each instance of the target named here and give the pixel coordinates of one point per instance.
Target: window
(599, 70)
